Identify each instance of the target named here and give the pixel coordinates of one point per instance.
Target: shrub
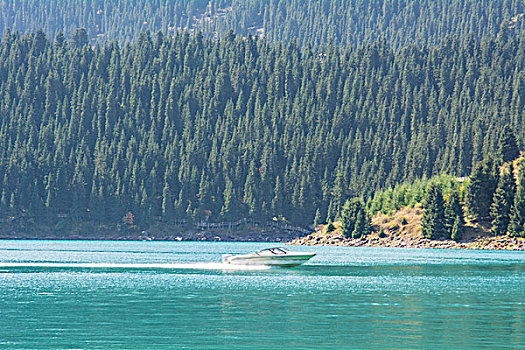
(330, 227)
(355, 220)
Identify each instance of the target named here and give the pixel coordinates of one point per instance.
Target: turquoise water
(177, 295)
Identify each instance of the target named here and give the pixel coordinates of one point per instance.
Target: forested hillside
(186, 127)
(344, 22)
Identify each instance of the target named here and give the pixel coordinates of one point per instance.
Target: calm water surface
(177, 295)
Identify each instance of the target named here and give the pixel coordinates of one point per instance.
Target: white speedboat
(278, 256)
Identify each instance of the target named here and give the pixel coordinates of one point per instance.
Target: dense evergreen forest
(343, 22)
(184, 126)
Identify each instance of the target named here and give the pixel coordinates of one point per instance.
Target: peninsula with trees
(483, 211)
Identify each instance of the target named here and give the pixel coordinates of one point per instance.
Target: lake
(177, 295)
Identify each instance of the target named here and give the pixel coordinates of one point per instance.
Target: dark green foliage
(458, 228)
(502, 203)
(454, 217)
(404, 221)
(317, 218)
(79, 38)
(381, 233)
(355, 221)
(517, 216)
(433, 224)
(344, 22)
(508, 145)
(330, 226)
(454, 214)
(481, 188)
(349, 216)
(407, 194)
(361, 225)
(181, 127)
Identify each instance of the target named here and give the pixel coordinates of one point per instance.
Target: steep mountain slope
(184, 127)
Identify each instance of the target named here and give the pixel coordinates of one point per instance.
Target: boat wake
(194, 266)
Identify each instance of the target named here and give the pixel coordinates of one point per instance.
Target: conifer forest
(348, 23)
(109, 108)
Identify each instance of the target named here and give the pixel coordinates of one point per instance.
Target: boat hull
(289, 260)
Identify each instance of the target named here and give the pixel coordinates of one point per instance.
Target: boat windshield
(276, 250)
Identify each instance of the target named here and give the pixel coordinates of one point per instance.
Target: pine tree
(331, 211)
(167, 202)
(481, 188)
(502, 203)
(227, 210)
(508, 145)
(433, 223)
(453, 213)
(349, 214)
(355, 221)
(317, 218)
(517, 216)
(458, 228)
(79, 38)
(358, 225)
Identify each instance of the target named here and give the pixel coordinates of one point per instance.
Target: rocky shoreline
(247, 234)
(395, 239)
(398, 241)
(200, 236)
(316, 238)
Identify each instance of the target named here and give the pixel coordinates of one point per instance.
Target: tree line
(184, 126)
(343, 22)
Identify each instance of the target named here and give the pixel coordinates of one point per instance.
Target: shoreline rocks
(248, 234)
(398, 241)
